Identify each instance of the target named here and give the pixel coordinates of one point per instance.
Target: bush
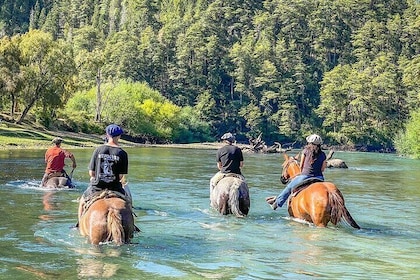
(407, 142)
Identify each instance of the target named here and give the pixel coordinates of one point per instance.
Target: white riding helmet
(314, 139)
(228, 137)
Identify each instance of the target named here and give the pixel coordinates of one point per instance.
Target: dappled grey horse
(230, 196)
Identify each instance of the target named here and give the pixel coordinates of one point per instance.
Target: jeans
(282, 197)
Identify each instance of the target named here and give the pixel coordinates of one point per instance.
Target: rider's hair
(314, 151)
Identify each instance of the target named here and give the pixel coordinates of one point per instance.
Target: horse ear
(297, 156)
(286, 156)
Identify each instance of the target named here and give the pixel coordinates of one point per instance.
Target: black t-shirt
(108, 162)
(230, 156)
(313, 168)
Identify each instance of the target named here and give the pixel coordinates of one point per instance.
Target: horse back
(231, 196)
(96, 220)
(312, 203)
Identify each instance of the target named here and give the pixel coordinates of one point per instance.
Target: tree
(11, 80)
(407, 141)
(47, 68)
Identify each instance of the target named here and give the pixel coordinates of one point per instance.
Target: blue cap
(114, 130)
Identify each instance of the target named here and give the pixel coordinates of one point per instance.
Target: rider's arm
(73, 159)
(70, 156)
(92, 174)
(324, 165)
(302, 161)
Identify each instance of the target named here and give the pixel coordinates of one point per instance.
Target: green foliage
(37, 71)
(10, 76)
(184, 70)
(407, 142)
(79, 111)
(191, 127)
(140, 109)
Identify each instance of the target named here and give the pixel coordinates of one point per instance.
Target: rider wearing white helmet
(313, 162)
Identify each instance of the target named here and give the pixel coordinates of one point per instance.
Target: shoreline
(30, 137)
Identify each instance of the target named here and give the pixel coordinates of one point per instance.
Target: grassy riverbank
(32, 136)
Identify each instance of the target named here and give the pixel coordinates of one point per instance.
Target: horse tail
(339, 210)
(234, 199)
(349, 219)
(115, 227)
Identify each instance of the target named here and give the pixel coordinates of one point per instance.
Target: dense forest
(190, 70)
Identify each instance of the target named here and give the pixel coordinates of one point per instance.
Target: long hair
(314, 151)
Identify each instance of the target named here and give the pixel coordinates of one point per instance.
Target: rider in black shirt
(107, 167)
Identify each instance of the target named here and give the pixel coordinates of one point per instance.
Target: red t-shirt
(54, 157)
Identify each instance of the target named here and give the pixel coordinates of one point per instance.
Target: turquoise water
(182, 238)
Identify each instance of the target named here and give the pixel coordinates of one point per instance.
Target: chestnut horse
(108, 217)
(230, 196)
(319, 203)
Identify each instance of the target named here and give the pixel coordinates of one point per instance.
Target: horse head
(291, 168)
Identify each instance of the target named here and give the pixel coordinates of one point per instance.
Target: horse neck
(294, 169)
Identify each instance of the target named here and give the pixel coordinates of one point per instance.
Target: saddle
(303, 185)
(106, 194)
(57, 174)
(102, 195)
(225, 175)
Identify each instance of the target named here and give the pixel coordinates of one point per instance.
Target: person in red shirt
(54, 158)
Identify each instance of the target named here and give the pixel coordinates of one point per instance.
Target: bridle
(290, 163)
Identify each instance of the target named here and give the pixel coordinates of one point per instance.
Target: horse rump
(231, 196)
(58, 182)
(107, 218)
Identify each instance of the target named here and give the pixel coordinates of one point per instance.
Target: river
(182, 238)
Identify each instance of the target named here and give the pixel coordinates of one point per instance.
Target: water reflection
(47, 201)
(49, 205)
(95, 268)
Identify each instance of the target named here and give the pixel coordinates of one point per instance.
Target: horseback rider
(229, 159)
(55, 161)
(107, 167)
(312, 165)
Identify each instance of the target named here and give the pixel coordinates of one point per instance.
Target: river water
(182, 238)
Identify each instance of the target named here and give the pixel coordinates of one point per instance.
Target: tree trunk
(98, 97)
(26, 110)
(14, 104)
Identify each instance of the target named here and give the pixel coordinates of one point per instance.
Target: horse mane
(288, 164)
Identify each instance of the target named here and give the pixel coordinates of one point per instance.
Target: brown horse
(230, 196)
(58, 182)
(107, 217)
(319, 203)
